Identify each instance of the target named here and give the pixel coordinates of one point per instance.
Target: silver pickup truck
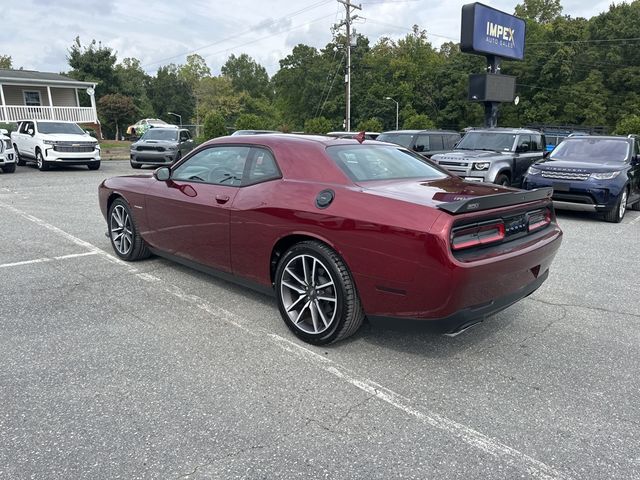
(495, 155)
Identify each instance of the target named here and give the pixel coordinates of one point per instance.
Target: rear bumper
(469, 316)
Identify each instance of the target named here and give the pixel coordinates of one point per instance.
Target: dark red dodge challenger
(338, 230)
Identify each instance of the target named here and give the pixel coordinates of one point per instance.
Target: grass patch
(114, 144)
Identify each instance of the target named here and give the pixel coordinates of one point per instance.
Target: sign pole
(491, 108)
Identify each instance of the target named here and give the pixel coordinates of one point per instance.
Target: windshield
(60, 127)
(160, 134)
(501, 142)
(362, 163)
(403, 139)
(592, 150)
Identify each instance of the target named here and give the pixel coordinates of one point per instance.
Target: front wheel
(93, 165)
(503, 180)
(134, 165)
(616, 214)
(124, 236)
(316, 295)
(42, 164)
(9, 168)
(19, 160)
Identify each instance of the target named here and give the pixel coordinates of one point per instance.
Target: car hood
(432, 192)
(578, 167)
(458, 155)
(163, 143)
(68, 137)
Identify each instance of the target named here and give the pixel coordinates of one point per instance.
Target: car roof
(505, 130)
(412, 132)
(290, 139)
(596, 137)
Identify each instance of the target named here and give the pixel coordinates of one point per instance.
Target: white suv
(50, 142)
(7, 157)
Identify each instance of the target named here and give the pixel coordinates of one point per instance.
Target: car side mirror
(162, 174)
(30, 132)
(546, 154)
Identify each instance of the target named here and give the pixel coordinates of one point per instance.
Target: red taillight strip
(475, 234)
(539, 220)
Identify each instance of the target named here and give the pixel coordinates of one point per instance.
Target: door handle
(222, 198)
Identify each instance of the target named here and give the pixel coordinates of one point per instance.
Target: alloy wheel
(309, 294)
(121, 229)
(623, 204)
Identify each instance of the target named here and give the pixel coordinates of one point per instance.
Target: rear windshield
(403, 139)
(60, 127)
(363, 163)
(592, 150)
(158, 134)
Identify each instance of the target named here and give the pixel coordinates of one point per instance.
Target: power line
(272, 22)
(562, 42)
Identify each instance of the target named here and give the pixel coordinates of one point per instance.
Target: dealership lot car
(316, 219)
(161, 146)
(592, 173)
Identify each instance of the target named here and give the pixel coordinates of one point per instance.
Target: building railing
(13, 113)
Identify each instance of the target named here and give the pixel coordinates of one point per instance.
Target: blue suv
(591, 173)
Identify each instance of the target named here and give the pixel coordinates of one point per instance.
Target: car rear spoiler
(488, 202)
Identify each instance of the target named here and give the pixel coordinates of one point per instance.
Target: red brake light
(475, 235)
(539, 219)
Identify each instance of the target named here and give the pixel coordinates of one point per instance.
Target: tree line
(576, 72)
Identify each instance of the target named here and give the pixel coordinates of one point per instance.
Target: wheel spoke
(324, 285)
(327, 299)
(322, 317)
(298, 318)
(304, 269)
(313, 272)
(293, 305)
(295, 277)
(295, 289)
(314, 316)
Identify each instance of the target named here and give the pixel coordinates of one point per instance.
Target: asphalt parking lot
(153, 370)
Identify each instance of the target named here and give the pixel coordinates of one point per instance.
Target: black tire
(93, 165)
(503, 180)
(41, 163)
(347, 315)
(9, 168)
(616, 214)
(119, 221)
(135, 165)
(19, 160)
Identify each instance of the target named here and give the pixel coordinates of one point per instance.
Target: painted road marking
(44, 260)
(468, 435)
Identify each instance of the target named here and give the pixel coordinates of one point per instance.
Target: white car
(7, 156)
(49, 143)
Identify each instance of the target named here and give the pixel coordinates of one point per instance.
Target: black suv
(425, 142)
(591, 173)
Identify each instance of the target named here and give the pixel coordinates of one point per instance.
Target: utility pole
(348, 5)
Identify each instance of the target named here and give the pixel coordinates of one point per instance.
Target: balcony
(14, 113)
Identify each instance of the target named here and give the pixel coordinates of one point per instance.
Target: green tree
(168, 92)
(213, 126)
(542, 11)
(318, 125)
(251, 121)
(247, 75)
(6, 61)
(94, 63)
(370, 125)
(132, 80)
(629, 124)
(418, 122)
(216, 94)
(116, 109)
(194, 70)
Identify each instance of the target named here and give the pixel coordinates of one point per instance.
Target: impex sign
(487, 31)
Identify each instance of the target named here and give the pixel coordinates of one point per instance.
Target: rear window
(363, 163)
(403, 139)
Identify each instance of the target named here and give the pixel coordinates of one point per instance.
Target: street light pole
(179, 117)
(397, 109)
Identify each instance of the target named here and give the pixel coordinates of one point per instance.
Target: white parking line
(68, 236)
(635, 220)
(44, 260)
(491, 446)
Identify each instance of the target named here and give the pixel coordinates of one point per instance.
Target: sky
(37, 34)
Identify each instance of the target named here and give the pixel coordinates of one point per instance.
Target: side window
(536, 143)
(450, 141)
(262, 167)
(436, 142)
(422, 143)
(524, 143)
(218, 165)
(184, 136)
